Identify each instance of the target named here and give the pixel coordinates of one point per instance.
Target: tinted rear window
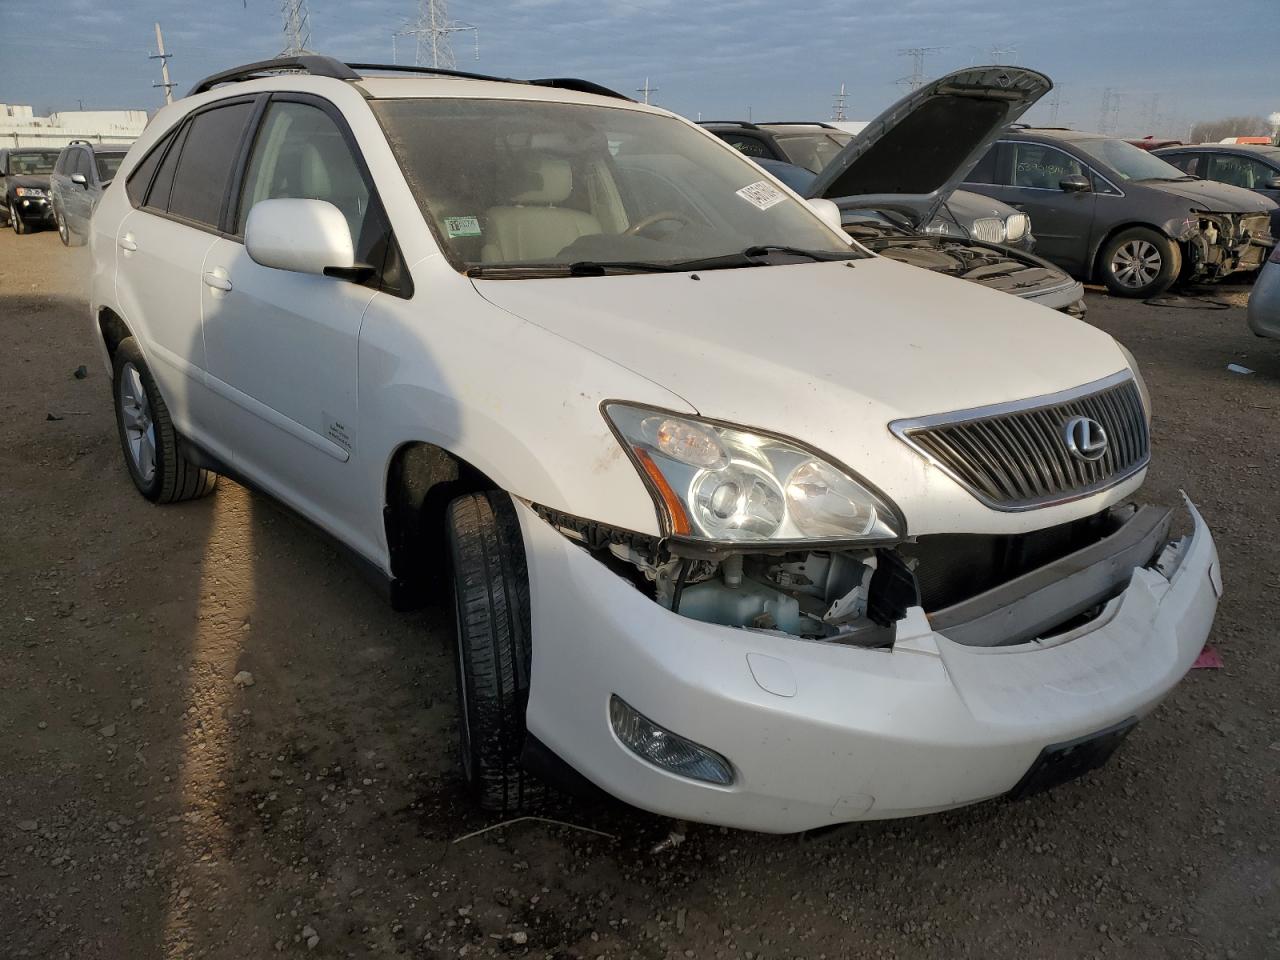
(204, 169)
(140, 178)
(158, 197)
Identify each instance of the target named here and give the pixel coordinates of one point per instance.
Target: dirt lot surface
(151, 805)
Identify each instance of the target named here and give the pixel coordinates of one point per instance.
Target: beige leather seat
(533, 226)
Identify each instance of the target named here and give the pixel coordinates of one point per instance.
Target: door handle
(217, 279)
(128, 244)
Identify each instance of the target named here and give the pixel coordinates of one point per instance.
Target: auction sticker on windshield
(462, 226)
(762, 193)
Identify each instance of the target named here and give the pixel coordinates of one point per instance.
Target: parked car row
(42, 187)
(742, 523)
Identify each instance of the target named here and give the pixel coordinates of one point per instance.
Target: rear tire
(1140, 263)
(147, 437)
(491, 601)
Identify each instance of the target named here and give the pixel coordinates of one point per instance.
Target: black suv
(1107, 211)
(24, 186)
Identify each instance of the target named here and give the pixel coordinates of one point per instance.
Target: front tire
(1139, 263)
(150, 443)
(64, 232)
(19, 225)
(491, 601)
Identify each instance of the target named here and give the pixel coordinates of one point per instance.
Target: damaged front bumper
(1217, 245)
(821, 732)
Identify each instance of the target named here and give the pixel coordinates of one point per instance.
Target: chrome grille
(1015, 456)
(989, 230)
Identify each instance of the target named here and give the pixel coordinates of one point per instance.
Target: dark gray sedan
(1109, 212)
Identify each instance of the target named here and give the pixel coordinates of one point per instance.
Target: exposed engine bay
(981, 263)
(855, 597)
(1219, 244)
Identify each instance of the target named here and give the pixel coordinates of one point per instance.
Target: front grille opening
(1019, 459)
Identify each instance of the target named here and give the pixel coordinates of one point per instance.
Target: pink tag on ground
(1209, 659)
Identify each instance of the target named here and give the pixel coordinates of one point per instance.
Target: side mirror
(79, 178)
(1075, 184)
(305, 236)
(828, 213)
(1273, 183)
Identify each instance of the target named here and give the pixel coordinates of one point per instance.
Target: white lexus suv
(743, 523)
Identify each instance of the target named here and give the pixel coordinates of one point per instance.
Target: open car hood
(912, 156)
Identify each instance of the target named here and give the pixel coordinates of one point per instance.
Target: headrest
(545, 180)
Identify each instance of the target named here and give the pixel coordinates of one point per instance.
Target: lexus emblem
(1085, 438)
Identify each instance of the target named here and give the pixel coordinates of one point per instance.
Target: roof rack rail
(797, 123)
(311, 64)
(320, 66)
(745, 124)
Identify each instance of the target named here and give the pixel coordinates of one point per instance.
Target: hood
(826, 353)
(1211, 196)
(40, 181)
(912, 156)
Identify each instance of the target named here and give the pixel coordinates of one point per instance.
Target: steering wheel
(642, 225)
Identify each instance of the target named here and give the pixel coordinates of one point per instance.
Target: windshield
(814, 150)
(108, 164)
(33, 163)
(1132, 163)
(515, 182)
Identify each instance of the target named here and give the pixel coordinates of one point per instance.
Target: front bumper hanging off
(819, 733)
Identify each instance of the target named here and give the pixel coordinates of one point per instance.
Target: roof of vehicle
(1060, 133)
(772, 126)
(99, 147)
(1265, 150)
(407, 81)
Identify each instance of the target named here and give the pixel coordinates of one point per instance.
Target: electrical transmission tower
(431, 33)
(837, 105)
(917, 55)
(1006, 54)
(297, 27)
(1055, 106)
(1109, 114)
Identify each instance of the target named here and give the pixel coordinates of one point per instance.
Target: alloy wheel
(1136, 264)
(139, 428)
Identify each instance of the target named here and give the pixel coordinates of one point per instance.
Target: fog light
(665, 749)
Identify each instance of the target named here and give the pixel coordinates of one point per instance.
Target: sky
(1177, 62)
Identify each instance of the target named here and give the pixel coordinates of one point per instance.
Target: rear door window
(1043, 167)
(208, 157)
(1240, 171)
(138, 181)
(162, 185)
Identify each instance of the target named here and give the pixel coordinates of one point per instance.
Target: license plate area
(1059, 763)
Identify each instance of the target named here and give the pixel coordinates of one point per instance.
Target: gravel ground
(216, 741)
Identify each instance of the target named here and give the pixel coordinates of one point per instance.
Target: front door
(282, 346)
(1028, 176)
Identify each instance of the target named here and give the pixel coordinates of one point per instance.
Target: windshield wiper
(764, 249)
(580, 268)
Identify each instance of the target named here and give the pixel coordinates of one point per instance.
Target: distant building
(19, 127)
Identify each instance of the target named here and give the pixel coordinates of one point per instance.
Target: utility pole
(431, 33)
(646, 91)
(837, 106)
(917, 55)
(297, 27)
(164, 66)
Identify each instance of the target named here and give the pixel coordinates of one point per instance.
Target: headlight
(1016, 226)
(29, 192)
(718, 482)
(945, 228)
(1137, 378)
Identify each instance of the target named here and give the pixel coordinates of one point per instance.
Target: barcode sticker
(762, 193)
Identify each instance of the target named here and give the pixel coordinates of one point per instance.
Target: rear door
(1027, 175)
(283, 345)
(162, 246)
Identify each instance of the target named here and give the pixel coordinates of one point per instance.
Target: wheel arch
(420, 481)
(113, 329)
(1095, 256)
